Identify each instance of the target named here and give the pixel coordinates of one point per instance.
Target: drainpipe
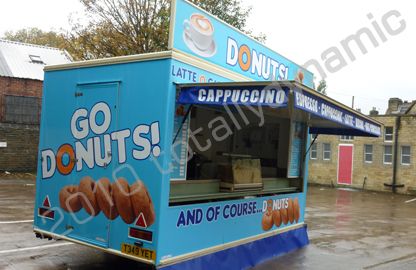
(394, 184)
(396, 150)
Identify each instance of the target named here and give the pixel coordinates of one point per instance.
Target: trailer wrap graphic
(90, 151)
(277, 210)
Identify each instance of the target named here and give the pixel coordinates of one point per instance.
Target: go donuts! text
(97, 150)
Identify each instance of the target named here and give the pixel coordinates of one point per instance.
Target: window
(22, 110)
(388, 154)
(405, 155)
(36, 59)
(368, 153)
(388, 134)
(314, 151)
(326, 151)
(346, 138)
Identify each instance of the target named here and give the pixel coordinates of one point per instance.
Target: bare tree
(123, 27)
(35, 35)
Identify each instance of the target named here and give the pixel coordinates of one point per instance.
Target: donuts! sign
(96, 150)
(204, 36)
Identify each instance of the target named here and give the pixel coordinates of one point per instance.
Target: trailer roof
(111, 60)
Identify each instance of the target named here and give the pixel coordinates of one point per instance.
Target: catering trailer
(193, 158)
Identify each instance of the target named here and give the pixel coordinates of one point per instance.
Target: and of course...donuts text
(94, 143)
(213, 213)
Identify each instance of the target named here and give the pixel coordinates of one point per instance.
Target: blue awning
(323, 114)
(351, 122)
(263, 95)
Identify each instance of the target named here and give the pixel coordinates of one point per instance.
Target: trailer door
(98, 103)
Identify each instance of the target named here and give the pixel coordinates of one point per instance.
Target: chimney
(374, 112)
(394, 104)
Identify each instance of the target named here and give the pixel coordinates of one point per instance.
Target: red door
(345, 155)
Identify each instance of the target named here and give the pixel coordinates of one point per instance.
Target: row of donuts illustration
(277, 217)
(114, 199)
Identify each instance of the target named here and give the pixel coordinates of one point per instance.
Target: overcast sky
(300, 30)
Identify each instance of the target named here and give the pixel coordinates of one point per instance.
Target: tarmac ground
(348, 229)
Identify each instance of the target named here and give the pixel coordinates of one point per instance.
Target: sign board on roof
(195, 32)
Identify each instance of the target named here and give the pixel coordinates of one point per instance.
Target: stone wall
(373, 175)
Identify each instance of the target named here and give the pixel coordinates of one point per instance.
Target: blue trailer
(193, 158)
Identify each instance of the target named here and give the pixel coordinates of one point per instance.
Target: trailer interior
(236, 152)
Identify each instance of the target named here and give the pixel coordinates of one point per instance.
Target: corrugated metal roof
(21, 60)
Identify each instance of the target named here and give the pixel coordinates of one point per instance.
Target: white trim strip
(34, 248)
(172, 24)
(409, 201)
(181, 257)
(17, 221)
(174, 54)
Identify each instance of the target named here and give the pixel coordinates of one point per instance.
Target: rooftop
(397, 106)
(22, 60)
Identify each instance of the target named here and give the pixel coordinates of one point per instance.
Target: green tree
(35, 35)
(322, 87)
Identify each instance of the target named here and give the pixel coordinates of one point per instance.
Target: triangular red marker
(46, 202)
(141, 221)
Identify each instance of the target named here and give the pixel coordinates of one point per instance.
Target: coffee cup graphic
(199, 34)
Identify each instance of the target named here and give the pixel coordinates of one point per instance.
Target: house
(381, 164)
(21, 78)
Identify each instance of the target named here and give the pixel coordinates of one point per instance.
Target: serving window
(221, 153)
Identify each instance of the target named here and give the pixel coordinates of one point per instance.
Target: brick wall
(18, 87)
(376, 173)
(22, 140)
(22, 146)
